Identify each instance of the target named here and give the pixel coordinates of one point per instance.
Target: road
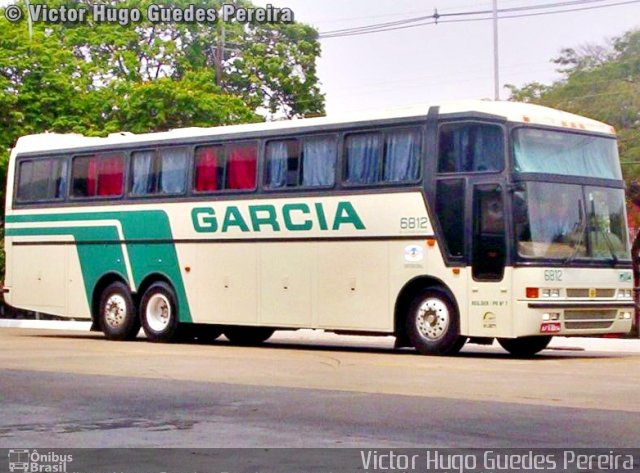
(75, 389)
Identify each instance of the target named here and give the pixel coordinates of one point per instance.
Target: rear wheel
(433, 325)
(117, 317)
(159, 313)
(524, 346)
(248, 335)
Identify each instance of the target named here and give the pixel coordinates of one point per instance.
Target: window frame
(383, 132)
(122, 154)
(506, 151)
(18, 173)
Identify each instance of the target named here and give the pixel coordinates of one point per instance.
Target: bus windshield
(567, 221)
(568, 154)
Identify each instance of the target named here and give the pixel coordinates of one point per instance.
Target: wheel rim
(158, 313)
(115, 311)
(432, 319)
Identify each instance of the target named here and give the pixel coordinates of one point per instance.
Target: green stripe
(97, 260)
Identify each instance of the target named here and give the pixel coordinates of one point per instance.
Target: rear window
(41, 180)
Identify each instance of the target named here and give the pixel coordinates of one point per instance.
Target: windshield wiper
(599, 229)
(607, 240)
(583, 227)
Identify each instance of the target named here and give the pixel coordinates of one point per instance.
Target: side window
(470, 147)
(163, 172)
(362, 154)
(306, 162)
(401, 156)
(450, 212)
(242, 162)
(41, 179)
(97, 176)
(386, 157)
(319, 157)
(209, 169)
(283, 162)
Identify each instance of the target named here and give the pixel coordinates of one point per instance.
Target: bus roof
(512, 111)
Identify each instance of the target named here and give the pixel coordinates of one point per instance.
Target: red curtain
(110, 175)
(207, 170)
(241, 168)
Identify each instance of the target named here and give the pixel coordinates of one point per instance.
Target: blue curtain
(319, 161)
(568, 154)
(401, 161)
(277, 155)
(143, 178)
(488, 153)
(173, 170)
(363, 157)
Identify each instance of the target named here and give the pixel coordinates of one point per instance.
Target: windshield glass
(567, 221)
(569, 154)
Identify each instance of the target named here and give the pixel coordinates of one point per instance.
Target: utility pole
(219, 56)
(496, 69)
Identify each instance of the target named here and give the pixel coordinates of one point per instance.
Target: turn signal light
(533, 293)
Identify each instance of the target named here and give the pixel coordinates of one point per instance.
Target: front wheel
(433, 324)
(117, 315)
(524, 346)
(159, 313)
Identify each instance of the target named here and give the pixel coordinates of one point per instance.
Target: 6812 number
(413, 223)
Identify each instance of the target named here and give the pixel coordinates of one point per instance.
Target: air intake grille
(588, 319)
(584, 293)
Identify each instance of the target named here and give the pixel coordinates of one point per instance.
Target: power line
(436, 17)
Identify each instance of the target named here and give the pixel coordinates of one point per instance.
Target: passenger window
(164, 173)
(307, 162)
(241, 166)
(283, 159)
(362, 152)
(42, 179)
(450, 212)
(470, 147)
(401, 156)
(388, 157)
(94, 176)
(209, 169)
(319, 156)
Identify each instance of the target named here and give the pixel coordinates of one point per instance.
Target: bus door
(489, 284)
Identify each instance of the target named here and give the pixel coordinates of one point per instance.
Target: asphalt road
(75, 389)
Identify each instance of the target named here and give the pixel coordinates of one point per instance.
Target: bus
(440, 225)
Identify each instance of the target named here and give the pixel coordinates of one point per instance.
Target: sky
(441, 62)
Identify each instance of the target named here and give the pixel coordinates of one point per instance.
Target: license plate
(550, 327)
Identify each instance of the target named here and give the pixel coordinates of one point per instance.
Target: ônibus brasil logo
(32, 461)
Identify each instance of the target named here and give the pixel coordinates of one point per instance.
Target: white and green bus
(468, 221)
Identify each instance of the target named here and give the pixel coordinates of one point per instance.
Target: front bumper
(567, 318)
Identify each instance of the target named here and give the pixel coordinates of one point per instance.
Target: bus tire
(433, 324)
(159, 313)
(525, 346)
(117, 314)
(248, 335)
